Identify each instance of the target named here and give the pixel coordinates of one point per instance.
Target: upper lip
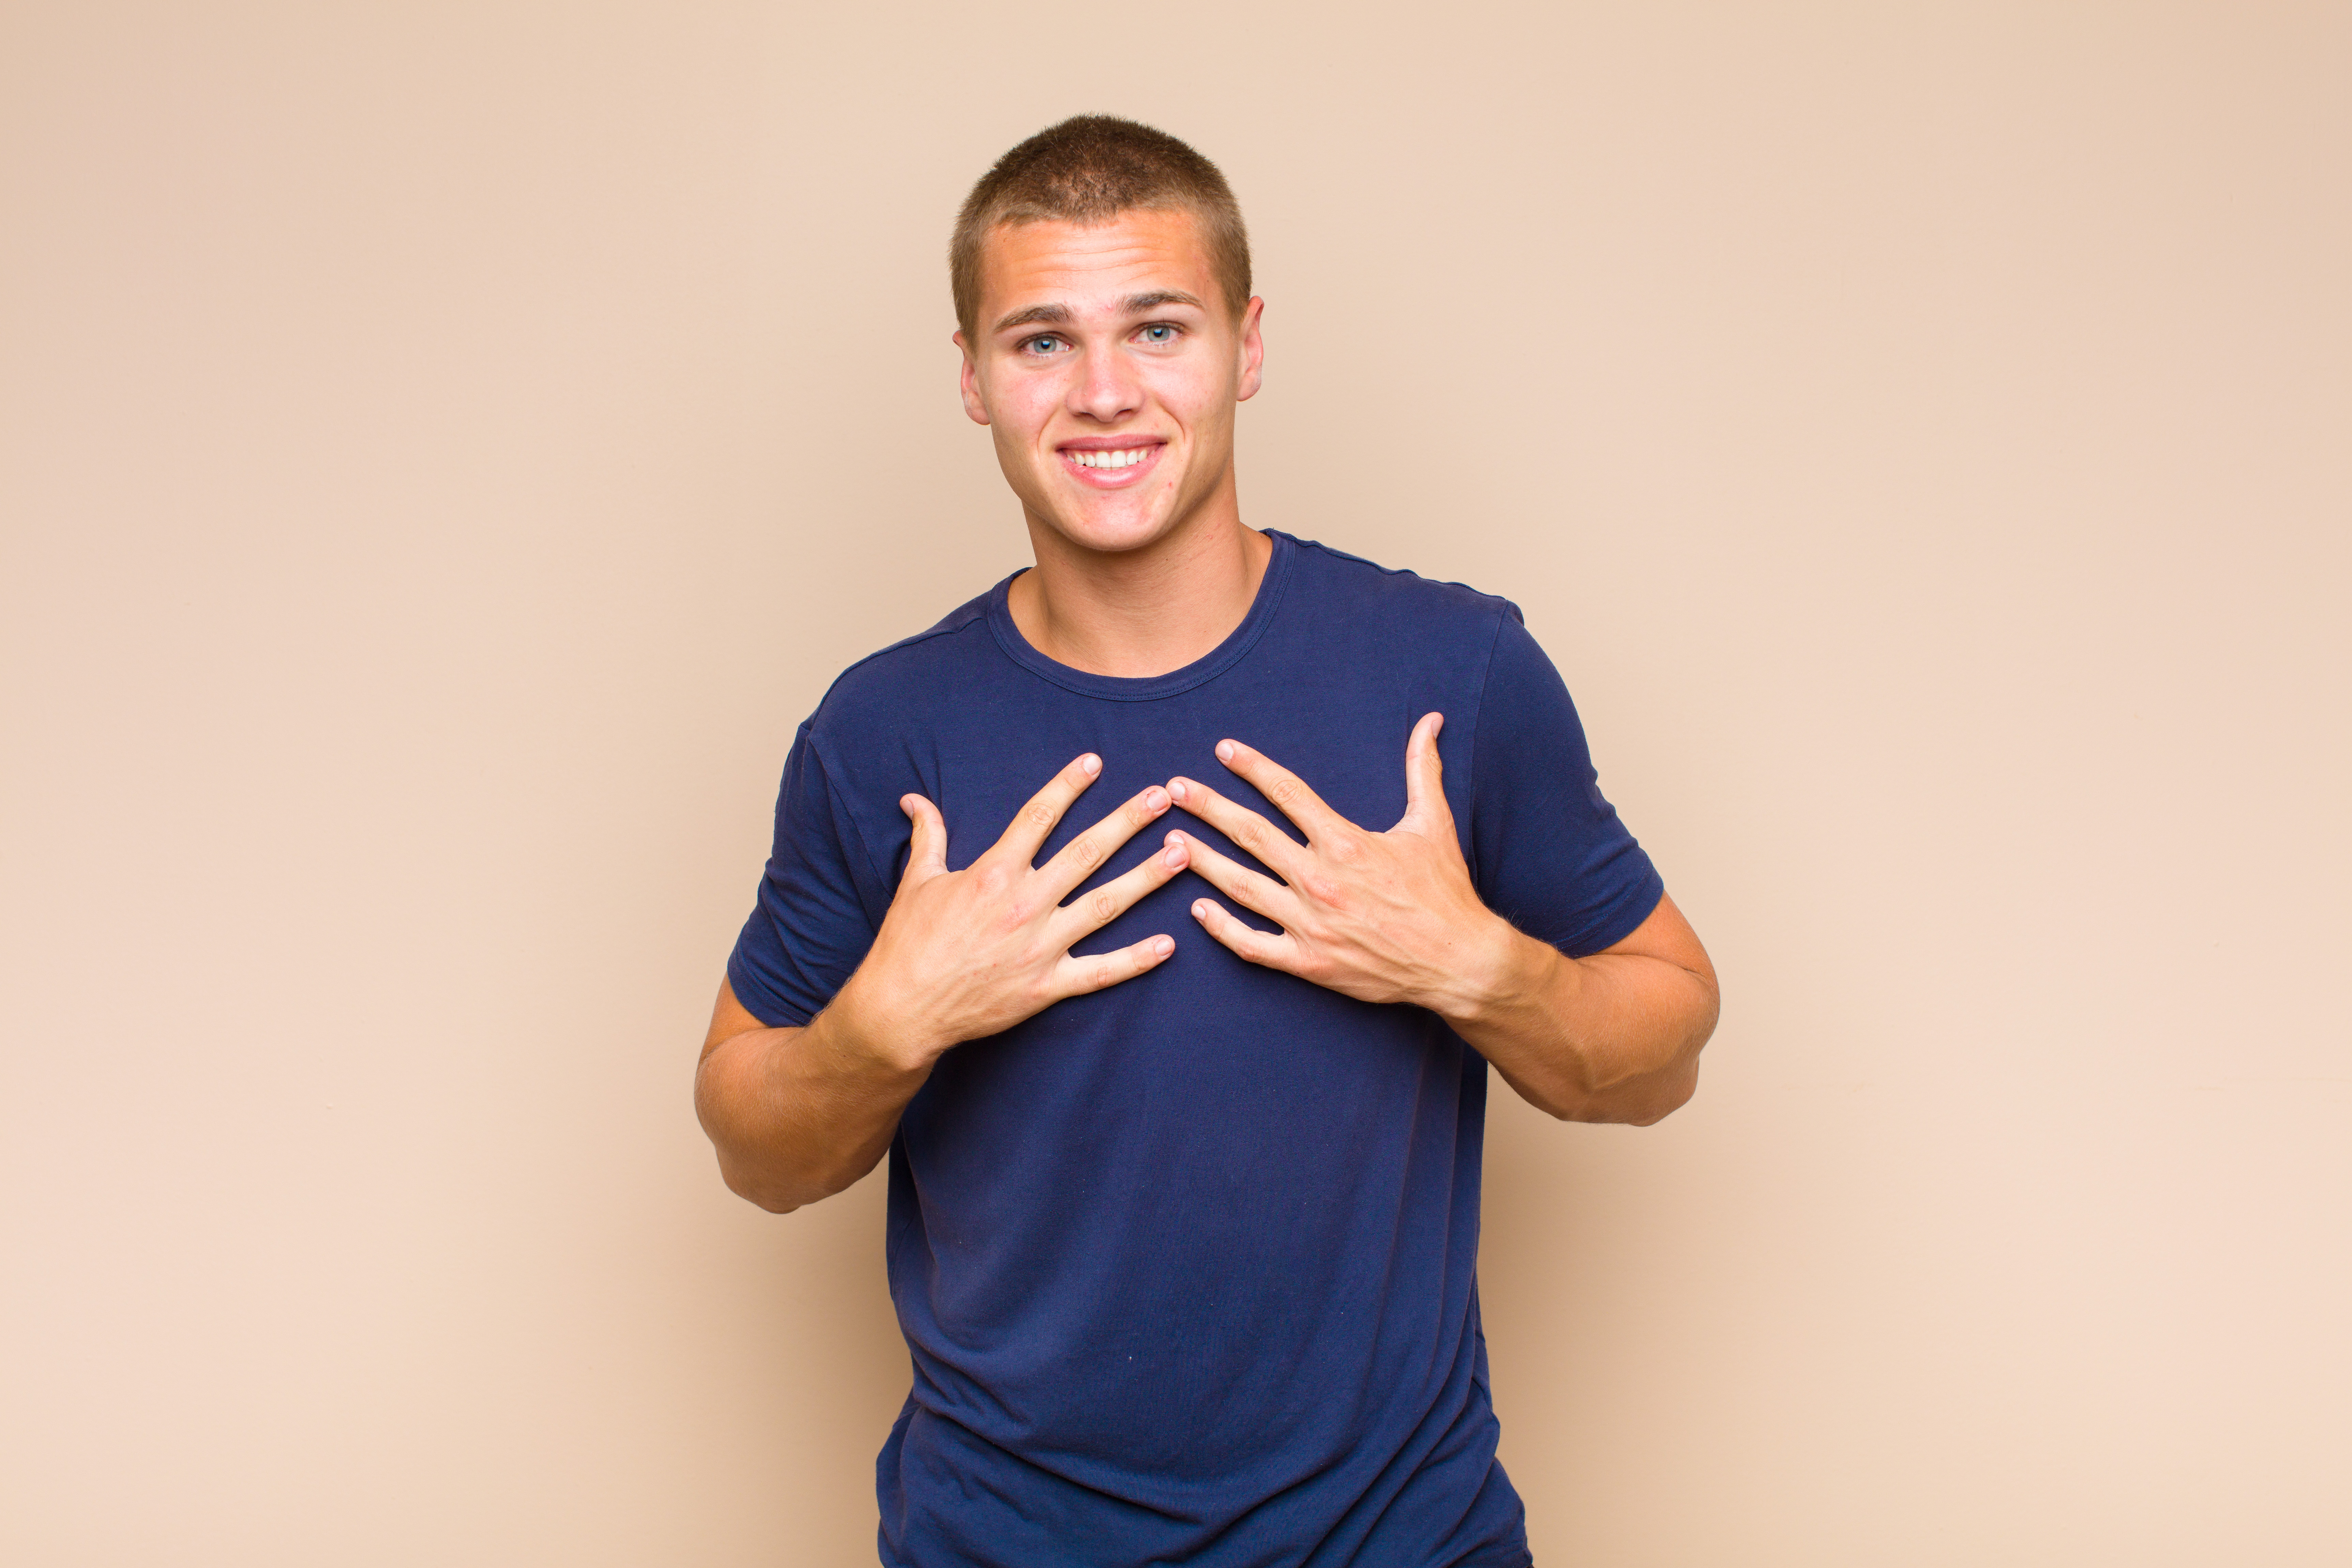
(1110, 443)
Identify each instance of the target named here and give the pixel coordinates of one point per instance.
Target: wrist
(1496, 970)
(867, 1026)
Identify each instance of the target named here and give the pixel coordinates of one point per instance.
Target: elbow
(753, 1179)
(1642, 1100)
(1640, 1103)
(753, 1189)
(780, 1186)
(768, 1170)
(1660, 1094)
(1651, 1075)
(1662, 1100)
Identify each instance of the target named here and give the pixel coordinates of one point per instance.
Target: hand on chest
(1354, 760)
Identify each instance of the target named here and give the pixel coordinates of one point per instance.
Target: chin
(1112, 533)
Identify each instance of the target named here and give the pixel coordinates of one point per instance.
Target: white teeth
(1126, 459)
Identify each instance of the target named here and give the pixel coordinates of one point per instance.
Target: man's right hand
(963, 954)
(797, 1114)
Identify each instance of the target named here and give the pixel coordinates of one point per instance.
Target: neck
(1142, 612)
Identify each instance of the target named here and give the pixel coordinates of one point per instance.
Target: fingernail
(1225, 751)
(1176, 789)
(1163, 945)
(1090, 764)
(1155, 799)
(1175, 856)
(1200, 908)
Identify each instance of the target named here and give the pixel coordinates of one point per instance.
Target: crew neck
(1147, 688)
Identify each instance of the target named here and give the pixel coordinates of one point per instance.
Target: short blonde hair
(1088, 170)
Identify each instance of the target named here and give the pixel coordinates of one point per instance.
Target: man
(1183, 1222)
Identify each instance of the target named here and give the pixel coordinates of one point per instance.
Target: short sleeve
(819, 905)
(1548, 852)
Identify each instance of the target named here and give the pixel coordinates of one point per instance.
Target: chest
(1347, 742)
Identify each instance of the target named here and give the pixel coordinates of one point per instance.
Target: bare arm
(1614, 1036)
(1394, 917)
(797, 1114)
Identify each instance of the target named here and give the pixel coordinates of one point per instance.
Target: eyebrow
(1036, 315)
(1059, 315)
(1137, 304)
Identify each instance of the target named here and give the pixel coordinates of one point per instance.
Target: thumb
(1424, 777)
(926, 857)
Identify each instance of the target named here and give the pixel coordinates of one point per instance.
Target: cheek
(1197, 388)
(1026, 407)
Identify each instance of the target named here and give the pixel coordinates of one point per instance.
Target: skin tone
(1108, 366)
(1106, 339)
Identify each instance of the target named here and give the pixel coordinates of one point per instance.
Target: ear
(1253, 365)
(968, 379)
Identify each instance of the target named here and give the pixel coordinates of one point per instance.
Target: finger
(1245, 887)
(1424, 777)
(927, 855)
(1257, 946)
(1106, 903)
(1083, 856)
(1249, 830)
(1075, 975)
(1030, 825)
(1286, 789)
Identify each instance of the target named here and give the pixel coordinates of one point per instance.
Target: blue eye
(1159, 334)
(1042, 344)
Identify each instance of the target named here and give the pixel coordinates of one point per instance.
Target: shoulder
(908, 675)
(1387, 601)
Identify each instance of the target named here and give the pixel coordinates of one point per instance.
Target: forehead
(1092, 265)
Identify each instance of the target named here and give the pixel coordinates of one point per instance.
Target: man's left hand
(1381, 917)
(1392, 917)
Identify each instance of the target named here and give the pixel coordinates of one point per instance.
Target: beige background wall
(444, 449)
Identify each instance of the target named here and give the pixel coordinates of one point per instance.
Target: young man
(1184, 1126)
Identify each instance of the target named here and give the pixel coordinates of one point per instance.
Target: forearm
(1612, 1037)
(799, 1114)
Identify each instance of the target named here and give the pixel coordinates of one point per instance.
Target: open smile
(1112, 468)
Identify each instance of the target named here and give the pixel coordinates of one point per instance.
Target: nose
(1106, 387)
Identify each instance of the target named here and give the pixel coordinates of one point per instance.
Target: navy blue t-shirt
(1187, 1267)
